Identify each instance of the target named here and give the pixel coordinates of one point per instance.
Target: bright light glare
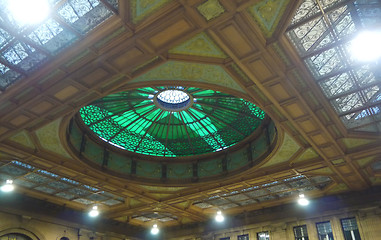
(173, 96)
(29, 11)
(303, 201)
(8, 186)
(366, 46)
(94, 212)
(154, 229)
(219, 217)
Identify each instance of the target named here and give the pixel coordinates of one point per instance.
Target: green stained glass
(172, 121)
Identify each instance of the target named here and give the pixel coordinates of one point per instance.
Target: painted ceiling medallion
(211, 9)
(172, 121)
(268, 13)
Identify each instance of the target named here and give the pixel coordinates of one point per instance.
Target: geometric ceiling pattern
(25, 47)
(289, 187)
(290, 58)
(268, 14)
(323, 32)
(32, 178)
(199, 45)
(140, 9)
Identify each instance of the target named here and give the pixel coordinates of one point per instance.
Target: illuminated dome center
(173, 100)
(173, 96)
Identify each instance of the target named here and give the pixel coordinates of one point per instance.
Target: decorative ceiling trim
(141, 9)
(211, 9)
(23, 139)
(267, 14)
(187, 71)
(48, 137)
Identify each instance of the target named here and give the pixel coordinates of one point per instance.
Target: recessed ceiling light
(365, 47)
(28, 11)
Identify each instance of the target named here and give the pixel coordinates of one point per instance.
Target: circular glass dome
(172, 121)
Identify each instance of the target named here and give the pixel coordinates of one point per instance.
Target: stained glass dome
(172, 121)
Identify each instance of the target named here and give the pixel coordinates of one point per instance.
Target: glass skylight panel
(23, 183)
(74, 9)
(14, 171)
(337, 84)
(59, 185)
(84, 15)
(369, 11)
(65, 195)
(342, 21)
(45, 189)
(24, 47)
(325, 63)
(7, 76)
(306, 9)
(5, 37)
(27, 176)
(83, 201)
(23, 56)
(52, 36)
(308, 35)
(348, 103)
(349, 85)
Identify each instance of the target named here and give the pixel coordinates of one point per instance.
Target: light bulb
(8, 186)
(303, 201)
(219, 217)
(154, 229)
(94, 212)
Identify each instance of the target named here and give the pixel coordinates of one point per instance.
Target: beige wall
(368, 221)
(44, 230)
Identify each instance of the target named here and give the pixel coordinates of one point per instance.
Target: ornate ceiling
(249, 49)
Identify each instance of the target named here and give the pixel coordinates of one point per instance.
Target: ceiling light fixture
(94, 212)
(303, 201)
(219, 217)
(154, 229)
(8, 186)
(365, 47)
(29, 12)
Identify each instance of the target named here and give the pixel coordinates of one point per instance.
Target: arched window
(15, 236)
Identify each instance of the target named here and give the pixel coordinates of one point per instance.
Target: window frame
(300, 226)
(268, 233)
(317, 229)
(342, 227)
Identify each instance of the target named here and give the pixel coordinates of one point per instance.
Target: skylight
(326, 41)
(33, 32)
(30, 177)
